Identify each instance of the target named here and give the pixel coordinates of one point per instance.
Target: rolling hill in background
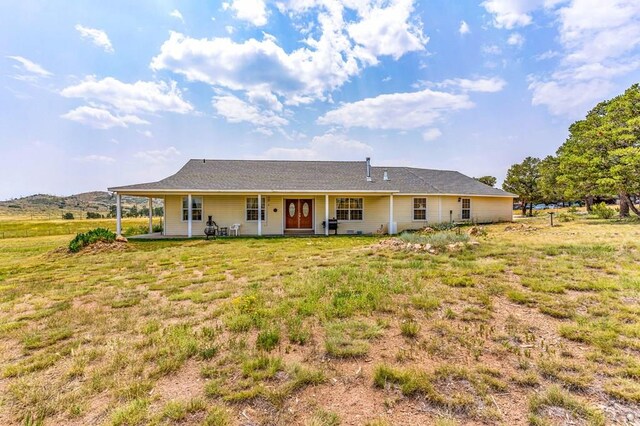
(53, 206)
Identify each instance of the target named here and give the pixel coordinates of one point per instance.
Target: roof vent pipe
(386, 175)
(368, 169)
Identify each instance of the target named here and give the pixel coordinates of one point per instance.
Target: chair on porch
(235, 228)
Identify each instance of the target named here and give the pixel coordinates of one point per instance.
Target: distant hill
(53, 206)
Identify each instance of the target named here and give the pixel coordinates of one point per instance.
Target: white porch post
(326, 215)
(259, 215)
(164, 215)
(150, 215)
(391, 230)
(118, 215)
(190, 216)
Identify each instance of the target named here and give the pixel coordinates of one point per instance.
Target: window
(196, 208)
(466, 208)
(349, 208)
(252, 209)
(419, 209)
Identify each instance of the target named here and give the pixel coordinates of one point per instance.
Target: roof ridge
(276, 161)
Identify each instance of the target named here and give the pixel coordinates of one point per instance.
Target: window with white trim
(419, 209)
(252, 209)
(196, 209)
(349, 208)
(466, 208)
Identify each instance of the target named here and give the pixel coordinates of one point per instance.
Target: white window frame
(414, 209)
(263, 206)
(335, 210)
(462, 208)
(185, 200)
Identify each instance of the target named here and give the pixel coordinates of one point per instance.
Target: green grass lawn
(531, 326)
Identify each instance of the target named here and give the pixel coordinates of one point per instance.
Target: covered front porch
(186, 215)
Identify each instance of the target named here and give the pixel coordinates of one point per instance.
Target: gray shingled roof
(347, 176)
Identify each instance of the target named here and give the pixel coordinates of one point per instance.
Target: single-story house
(293, 197)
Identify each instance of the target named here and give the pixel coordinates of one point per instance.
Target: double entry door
(298, 213)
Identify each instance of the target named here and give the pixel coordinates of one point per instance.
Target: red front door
(298, 213)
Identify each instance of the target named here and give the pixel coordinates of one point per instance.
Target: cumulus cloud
(566, 97)
(431, 134)
(158, 156)
(600, 42)
(252, 11)
(175, 13)
(464, 28)
(400, 111)
(329, 146)
(97, 37)
(388, 31)
(236, 110)
(512, 13)
(329, 56)
(138, 97)
(31, 68)
(101, 118)
(515, 39)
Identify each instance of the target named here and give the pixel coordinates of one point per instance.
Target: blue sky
(97, 94)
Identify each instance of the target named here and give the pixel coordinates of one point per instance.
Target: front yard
(533, 324)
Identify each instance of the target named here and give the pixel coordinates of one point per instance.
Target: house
(293, 197)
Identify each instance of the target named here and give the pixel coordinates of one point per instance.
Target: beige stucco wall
(229, 209)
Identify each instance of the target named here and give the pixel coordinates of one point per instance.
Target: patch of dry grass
(289, 330)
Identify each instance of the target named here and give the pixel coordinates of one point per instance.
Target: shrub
(566, 217)
(602, 211)
(68, 216)
(84, 239)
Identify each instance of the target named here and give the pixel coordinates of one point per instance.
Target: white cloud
(158, 156)
(252, 11)
(146, 133)
(176, 14)
(549, 54)
(464, 28)
(236, 110)
(401, 111)
(600, 42)
(565, 97)
(431, 134)
(329, 146)
(97, 37)
(491, 49)
(94, 158)
(515, 39)
(511, 13)
(331, 53)
(30, 67)
(488, 85)
(138, 97)
(101, 118)
(388, 31)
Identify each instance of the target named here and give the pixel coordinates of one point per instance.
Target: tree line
(599, 160)
(132, 211)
